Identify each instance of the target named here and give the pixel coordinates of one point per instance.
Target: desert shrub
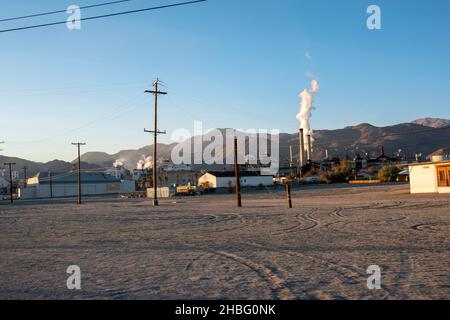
(388, 174)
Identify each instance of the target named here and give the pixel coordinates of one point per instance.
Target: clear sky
(229, 63)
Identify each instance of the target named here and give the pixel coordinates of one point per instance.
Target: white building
(430, 177)
(66, 185)
(217, 180)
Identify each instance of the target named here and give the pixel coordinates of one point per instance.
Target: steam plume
(145, 163)
(119, 163)
(306, 107)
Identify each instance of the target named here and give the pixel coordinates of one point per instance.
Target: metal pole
(236, 174)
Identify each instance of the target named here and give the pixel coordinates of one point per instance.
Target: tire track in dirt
(337, 213)
(404, 278)
(346, 273)
(345, 225)
(268, 275)
(303, 222)
(431, 226)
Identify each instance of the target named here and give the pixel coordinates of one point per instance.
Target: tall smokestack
(301, 140)
(309, 148)
(306, 107)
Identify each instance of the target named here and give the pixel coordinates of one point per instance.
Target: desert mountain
(433, 122)
(426, 136)
(418, 136)
(35, 167)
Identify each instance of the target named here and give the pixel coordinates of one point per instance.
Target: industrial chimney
(309, 148)
(301, 140)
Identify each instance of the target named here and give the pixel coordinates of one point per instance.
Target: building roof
(72, 178)
(443, 162)
(230, 174)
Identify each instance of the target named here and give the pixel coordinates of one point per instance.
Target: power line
(103, 16)
(61, 11)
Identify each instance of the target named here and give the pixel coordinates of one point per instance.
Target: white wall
(245, 181)
(161, 192)
(444, 189)
(423, 179)
(71, 190)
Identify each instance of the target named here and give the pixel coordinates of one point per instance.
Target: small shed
(430, 177)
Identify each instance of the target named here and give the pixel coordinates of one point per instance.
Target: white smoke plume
(145, 163)
(306, 107)
(120, 163)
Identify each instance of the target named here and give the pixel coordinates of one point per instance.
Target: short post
(288, 193)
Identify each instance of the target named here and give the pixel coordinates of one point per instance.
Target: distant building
(218, 180)
(166, 178)
(119, 173)
(430, 177)
(66, 185)
(4, 186)
(178, 167)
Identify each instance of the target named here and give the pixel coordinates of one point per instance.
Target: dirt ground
(207, 248)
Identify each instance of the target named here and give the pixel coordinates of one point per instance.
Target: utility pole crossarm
(155, 92)
(153, 131)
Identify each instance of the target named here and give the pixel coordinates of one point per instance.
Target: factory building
(66, 185)
(430, 177)
(220, 180)
(4, 186)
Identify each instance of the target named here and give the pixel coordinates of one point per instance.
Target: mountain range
(423, 136)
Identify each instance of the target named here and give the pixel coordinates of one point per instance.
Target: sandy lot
(207, 248)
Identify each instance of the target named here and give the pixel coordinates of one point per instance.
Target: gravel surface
(207, 248)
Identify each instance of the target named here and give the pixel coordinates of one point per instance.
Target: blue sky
(229, 63)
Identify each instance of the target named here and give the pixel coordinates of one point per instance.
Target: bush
(339, 174)
(388, 174)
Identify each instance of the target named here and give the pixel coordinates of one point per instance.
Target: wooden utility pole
(79, 144)
(288, 193)
(290, 161)
(10, 164)
(155, 133)
(25, 177)
(236, 174)
(51, 183)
